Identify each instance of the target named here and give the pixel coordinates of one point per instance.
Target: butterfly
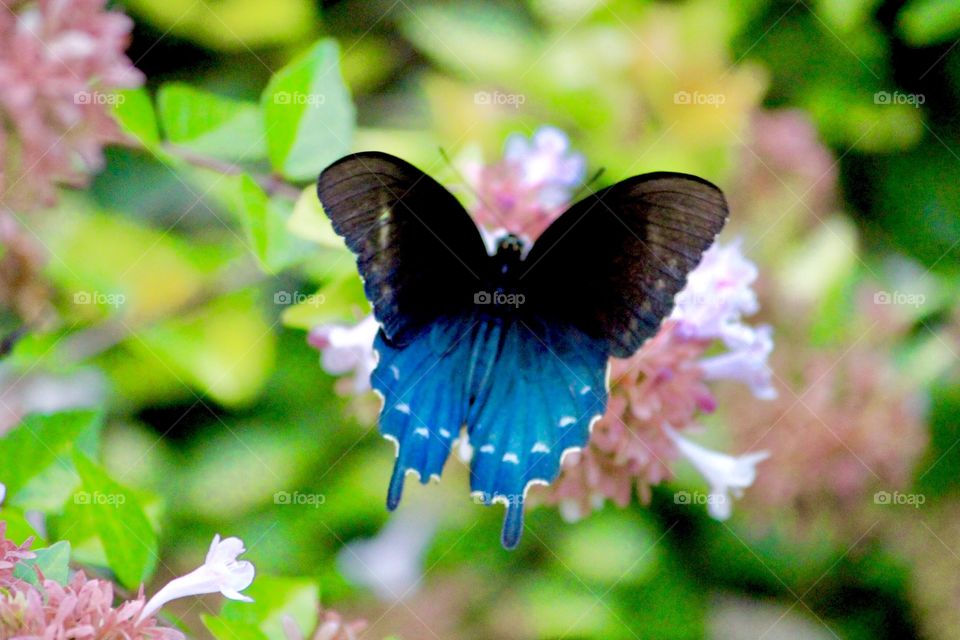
(509, 349)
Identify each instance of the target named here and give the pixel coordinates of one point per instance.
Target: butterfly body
(509, 350)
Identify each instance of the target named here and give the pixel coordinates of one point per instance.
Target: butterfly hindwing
(419, 252)
(527, 392)
(612, 263)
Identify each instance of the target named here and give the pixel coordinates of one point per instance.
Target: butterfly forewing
(612, 264)
(419, 252)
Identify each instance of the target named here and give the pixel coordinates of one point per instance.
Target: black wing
(419, 252)
(612, 263)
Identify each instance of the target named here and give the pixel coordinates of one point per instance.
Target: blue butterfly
(512, 348)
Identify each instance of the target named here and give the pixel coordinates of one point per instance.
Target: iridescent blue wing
(419, 252)
(528, 391)
(612, 264)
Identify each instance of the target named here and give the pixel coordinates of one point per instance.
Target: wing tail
(535, 412)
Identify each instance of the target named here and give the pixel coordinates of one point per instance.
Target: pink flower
(661, 389)
(83, 608)
(526, 190)
(346, 349)
(60, 60)
(10, 555)
(331, 627)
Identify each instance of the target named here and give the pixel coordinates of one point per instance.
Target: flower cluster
(530, 186)
(849, 423)
(84, 607)
(658, 392)
(61, 61)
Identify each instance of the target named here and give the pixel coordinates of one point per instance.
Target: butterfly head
(511, 250)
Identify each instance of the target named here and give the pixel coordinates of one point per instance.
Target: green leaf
(210, 124)
(309, 221)
(128, 539)
(39, 441)
(926, 22)
(230, 25)
(136, 116)
(232, 629)
(309, 114)
(340, 301)
(53, 562)
(273, 599)
(265, 221)
(226, 349)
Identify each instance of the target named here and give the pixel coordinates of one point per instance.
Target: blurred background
(162, 310)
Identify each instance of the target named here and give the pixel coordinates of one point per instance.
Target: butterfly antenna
(459, 174)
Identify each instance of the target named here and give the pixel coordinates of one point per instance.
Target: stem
(271, 183)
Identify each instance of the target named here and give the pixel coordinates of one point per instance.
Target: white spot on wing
(422, 432)
(511, 457)
(540, 447)
(444, 433)
(566, 421)
(487, 448)
(403, 407)
(395, 371)
(585, 390)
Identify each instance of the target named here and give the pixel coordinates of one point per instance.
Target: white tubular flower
(346, 348)
(221, 571)
(719, 292)
(727, 475)
(391, 563)
(747, 364)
